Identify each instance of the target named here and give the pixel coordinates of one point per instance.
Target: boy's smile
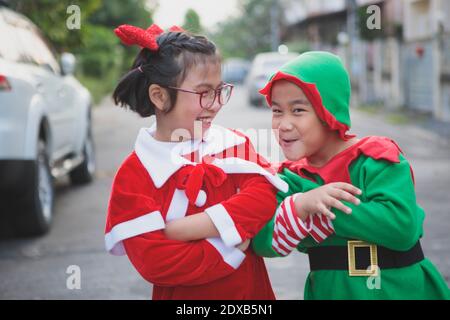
(300, 131)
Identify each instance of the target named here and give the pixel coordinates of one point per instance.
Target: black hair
(168, 66)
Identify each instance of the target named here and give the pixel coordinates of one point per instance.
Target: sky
(171, 12)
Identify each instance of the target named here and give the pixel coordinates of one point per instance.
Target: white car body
(45, 125)
(263, 66)
(39, 96)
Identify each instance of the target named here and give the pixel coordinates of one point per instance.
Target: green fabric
(327, 72)
(388, 216)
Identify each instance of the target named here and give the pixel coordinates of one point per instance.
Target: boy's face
(299, 130)
(187, 113)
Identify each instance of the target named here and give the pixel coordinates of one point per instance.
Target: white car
(45, 125)
(263, 66)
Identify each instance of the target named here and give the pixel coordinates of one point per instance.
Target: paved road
(37, 268)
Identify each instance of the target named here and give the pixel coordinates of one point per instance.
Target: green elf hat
(325, 82)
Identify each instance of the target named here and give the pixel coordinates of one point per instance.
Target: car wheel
(35, 210)
(84, 173)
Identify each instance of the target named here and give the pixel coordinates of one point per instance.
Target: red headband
(131, 35)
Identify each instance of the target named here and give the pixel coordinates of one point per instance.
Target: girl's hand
(244, 245)
(322, 199)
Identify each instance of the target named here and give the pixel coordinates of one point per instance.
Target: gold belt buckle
(352, 271)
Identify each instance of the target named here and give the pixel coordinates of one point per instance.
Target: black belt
(358, 256)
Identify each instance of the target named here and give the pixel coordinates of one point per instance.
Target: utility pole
(274, 25)
(356, 66)
(352, 31)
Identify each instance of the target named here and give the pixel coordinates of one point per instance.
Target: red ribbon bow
(131, 35)
(190, 178)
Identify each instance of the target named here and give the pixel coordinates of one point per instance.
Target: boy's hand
(244, 245)
(322, 199)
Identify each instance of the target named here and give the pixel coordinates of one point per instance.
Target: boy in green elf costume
(351, 204)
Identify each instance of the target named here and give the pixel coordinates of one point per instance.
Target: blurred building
(406, 63)
(426, 53)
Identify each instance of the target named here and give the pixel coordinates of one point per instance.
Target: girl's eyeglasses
(208, 97)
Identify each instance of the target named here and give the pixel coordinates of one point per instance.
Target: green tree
(51, 15)
(247, 33)
(113, 13)
(101, 57)
(192, 22)
(116, 12)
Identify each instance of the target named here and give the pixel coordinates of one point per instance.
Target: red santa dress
(221, 175)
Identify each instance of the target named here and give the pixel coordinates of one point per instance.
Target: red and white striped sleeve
(320, 227)
(289, 229)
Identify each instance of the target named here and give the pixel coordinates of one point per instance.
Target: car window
(9, 48)
(36, 50)
(30, 46)
(274, 64)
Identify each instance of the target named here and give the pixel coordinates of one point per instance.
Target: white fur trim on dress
(238, 165)
(163, 159)
(224, 224)
(178, 206)
(201, 199)
(147, 223)
(230, 255)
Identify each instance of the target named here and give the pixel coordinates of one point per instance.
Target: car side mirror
(68, 62)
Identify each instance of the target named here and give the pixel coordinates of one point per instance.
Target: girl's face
(187, 115)
(300, 132)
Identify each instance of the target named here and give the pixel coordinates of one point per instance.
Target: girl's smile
(188, 115)
(205, 121)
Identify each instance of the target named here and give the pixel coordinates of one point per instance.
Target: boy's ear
(159, 97)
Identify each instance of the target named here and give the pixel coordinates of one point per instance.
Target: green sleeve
(388, 214)
(262, 242)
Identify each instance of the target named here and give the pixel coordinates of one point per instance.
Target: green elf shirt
(387, 216)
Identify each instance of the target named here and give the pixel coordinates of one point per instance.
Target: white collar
(163, 159)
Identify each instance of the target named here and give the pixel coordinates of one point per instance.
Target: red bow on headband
(131, 35)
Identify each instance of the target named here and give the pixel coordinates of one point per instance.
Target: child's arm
(167, 262)
(281, 235)
(300, 215)
(194, 227)
(241, 216)
(200, 226)
(388, 214)
(323, 198)
(135, 223)
(236, 219)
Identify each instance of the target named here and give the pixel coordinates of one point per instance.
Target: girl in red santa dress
(184, 166)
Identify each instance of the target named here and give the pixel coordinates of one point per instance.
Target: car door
(50, 85)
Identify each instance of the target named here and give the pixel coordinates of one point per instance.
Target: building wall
(413, 72)
(427, 29)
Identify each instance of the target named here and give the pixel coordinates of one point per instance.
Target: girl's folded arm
(167, 262)
(234, 220)
(136, 222)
